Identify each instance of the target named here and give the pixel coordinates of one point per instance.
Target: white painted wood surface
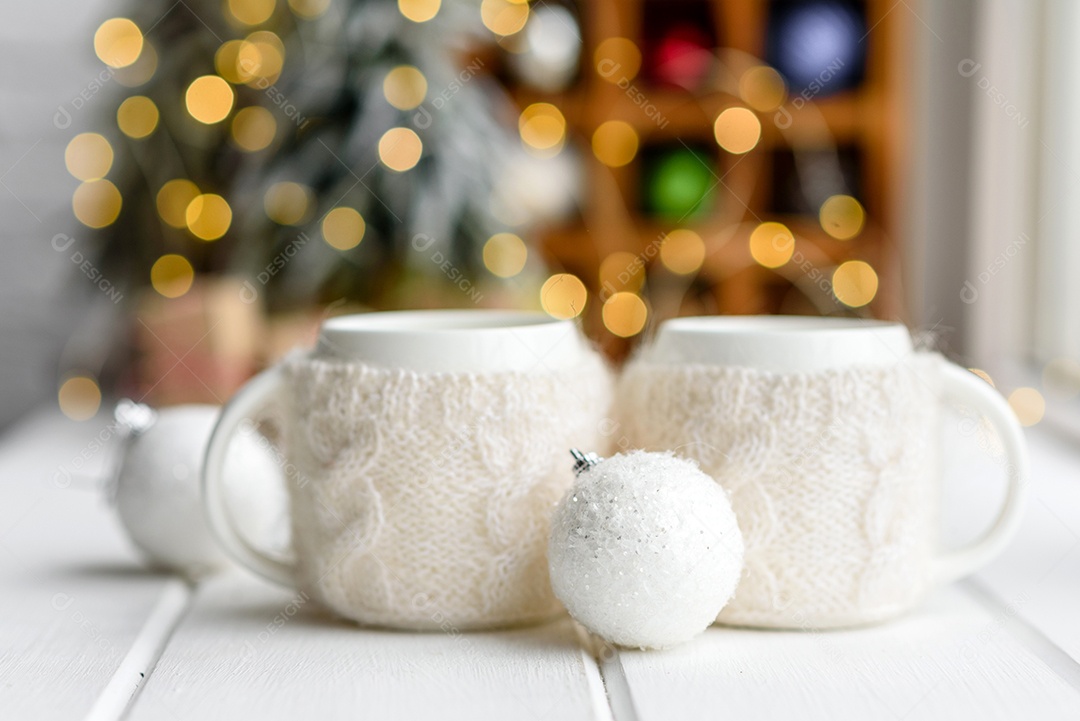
(86, 633)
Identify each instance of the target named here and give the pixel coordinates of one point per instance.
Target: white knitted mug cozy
(833, 476)
(421, 497)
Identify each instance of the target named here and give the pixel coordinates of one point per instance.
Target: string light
(563, 296)
(288, 203)
(118, 42)
(400, 149)
(96, 203)
(79, 397)
(405, 87)
(682, 251)
(617, 60)
(137, 116)
(772, 244)
(622, 270)
(173, 200)
(542, 128)
(208, 216)
(624, 314)
(842, 217)
(209, 99)
(504, 17)
(737, 130)
(253, 128)
(343, 228)
(615, 143)
(172, 275)
(1028, 405)
(762, 88)
(854, 283)
(505, 255)
(251, 12)
(419, 11)
(88, 156)
(309, 9)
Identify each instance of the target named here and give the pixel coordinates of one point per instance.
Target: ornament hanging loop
(583, 461)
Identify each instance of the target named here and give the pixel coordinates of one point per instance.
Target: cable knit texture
(424, 499)
(833, 476)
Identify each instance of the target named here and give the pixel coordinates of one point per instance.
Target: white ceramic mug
(826, 432)
(425, 451)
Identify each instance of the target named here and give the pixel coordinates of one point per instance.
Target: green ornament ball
(680, 184)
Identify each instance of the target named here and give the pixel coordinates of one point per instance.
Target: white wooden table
(86, 632)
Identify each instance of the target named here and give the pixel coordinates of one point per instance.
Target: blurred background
(190, 186)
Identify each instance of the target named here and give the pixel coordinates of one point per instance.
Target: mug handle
(248, 400)
(964, 388)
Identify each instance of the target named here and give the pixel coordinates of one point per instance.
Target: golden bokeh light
(260, 58)
(96, 203)
(208, 216)
(140, 71)
(419, 11)
(622, 270)
(543, 129)
(1028, 405)
(137, 116)
(88, 156)
(227, 62)
(563, 296)
(762, 88)
(209, 99)
(854, 283)
(1061, 378)
(173, 200)
(118, 42)
(617, 59)
(343, 228)
(772, 244)
(615, 143)
(251, 12)
(505, 255)
(624, 314)
(288, 203)
(400, 149)
(79, 398)
(172, 275)
(682, 251)
(405, 87)
(842, 217)
(309, 9)
(253, 128)
(737, 130)
(504, 17)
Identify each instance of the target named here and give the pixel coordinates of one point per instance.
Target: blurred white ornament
(545, 54)
(533, 190)
(157, 487)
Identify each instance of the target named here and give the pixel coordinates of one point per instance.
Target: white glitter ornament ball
(645, 550)
(158, 494)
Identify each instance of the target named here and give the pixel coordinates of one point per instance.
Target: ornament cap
(583, 461)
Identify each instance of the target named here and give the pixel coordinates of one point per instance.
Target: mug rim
(776, 324)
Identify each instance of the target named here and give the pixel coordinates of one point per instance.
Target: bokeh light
(772, 244)
(137, 116)
(505, 255)
(227, 62)
(118, 42)
(615, 143)
(563, 296)
(260, 58)
(254, 128)
(251, 12)
(842, 217)
(543, 129)
(173, 200)
(79, 397)
(762, 88)
(309, 9)
(400, 149)
(622, 270)
(208, 216)
(624, 314)
(737, 130)
(88, 156)
(209, 99)
(343, 228)
(96, 203)
(1028, 405)
(854, 283)
(140, 71)
(682, 251)
(504, 17)
(617, 59)
(172, 275)
(419, 11)
(405, 87)
(288, 203)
